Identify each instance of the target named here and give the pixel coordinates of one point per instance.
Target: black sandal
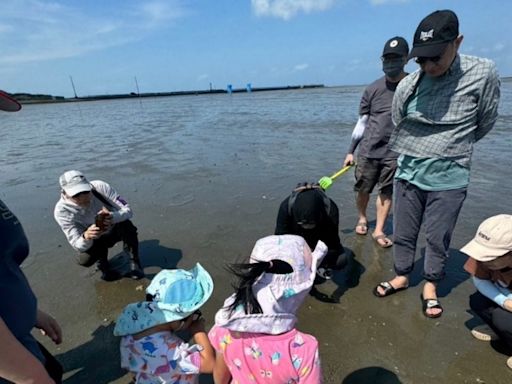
(388, 289)
(431, 304)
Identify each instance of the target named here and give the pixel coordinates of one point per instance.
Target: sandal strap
(386, 285)
(433, 303)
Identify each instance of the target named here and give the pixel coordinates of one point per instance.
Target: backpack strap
(303, 187)
(102, 198)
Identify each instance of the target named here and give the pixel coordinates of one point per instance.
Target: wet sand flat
(205, 176)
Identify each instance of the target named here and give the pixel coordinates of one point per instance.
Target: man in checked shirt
(440, 111)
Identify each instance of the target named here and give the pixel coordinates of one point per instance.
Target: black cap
(434, 33)
(396, 45)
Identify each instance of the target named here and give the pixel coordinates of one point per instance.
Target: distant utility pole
(73, 85)
(137, 85)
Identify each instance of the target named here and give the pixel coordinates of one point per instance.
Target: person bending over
(310, 213)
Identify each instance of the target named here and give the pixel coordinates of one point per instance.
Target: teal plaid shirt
(462, 109)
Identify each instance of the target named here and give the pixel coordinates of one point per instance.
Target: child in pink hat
(254, 333)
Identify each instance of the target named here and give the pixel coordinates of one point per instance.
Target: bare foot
(361, 227)
(382, 240)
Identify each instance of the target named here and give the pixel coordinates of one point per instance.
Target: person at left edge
(94, 217)
(22, 358)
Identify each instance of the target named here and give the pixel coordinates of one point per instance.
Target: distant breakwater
(42, 99)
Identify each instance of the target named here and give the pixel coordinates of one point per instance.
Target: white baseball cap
(492, 240)
(74, 182)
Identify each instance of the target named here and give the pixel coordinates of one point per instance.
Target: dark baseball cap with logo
(434, 33)
(396, 46)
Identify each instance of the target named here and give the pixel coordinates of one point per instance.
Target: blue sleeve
(492, 291)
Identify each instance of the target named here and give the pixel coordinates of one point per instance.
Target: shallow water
(205, 176)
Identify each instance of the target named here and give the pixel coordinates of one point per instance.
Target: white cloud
(382, 2)
(37, 30)
(499, 47)
(301, 67)
(159, 11)
(286, 9)
(202, 77)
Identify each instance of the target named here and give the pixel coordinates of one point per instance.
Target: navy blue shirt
(18, 304)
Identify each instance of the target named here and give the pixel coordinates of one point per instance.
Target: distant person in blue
(22, 358)
(440, 111)
(376, 163)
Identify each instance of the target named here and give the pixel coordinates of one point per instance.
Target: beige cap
(492, 240)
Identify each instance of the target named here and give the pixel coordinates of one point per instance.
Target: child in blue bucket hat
(150, 349)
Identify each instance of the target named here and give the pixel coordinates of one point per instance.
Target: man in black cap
(376, 163)
(440, 111)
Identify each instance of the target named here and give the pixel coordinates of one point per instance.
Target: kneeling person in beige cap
(94, 217)
(490, 265)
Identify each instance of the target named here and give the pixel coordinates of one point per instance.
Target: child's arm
(200, 337)
(221, 374)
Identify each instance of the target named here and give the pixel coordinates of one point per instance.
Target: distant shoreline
(25, 98)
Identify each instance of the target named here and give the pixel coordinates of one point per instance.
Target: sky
(111, 46)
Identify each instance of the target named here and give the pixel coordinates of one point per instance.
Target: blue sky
(174, 45)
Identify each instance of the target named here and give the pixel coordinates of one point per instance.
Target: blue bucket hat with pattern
(176, 295)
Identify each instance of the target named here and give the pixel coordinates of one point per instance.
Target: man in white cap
(490, 265)
(22, 358)
(94, 217)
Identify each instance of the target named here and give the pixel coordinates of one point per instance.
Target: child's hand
(197, 326)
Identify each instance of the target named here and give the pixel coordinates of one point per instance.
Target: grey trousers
(438, 210)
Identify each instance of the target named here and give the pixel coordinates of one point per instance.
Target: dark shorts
(370, 172)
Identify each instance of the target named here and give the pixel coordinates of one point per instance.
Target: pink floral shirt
(258, 358)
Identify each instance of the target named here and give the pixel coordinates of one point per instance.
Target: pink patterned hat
(279, 295)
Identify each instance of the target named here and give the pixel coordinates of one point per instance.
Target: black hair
(247, 274)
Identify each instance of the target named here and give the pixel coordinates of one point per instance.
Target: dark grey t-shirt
(18, 305)
(376, 102)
